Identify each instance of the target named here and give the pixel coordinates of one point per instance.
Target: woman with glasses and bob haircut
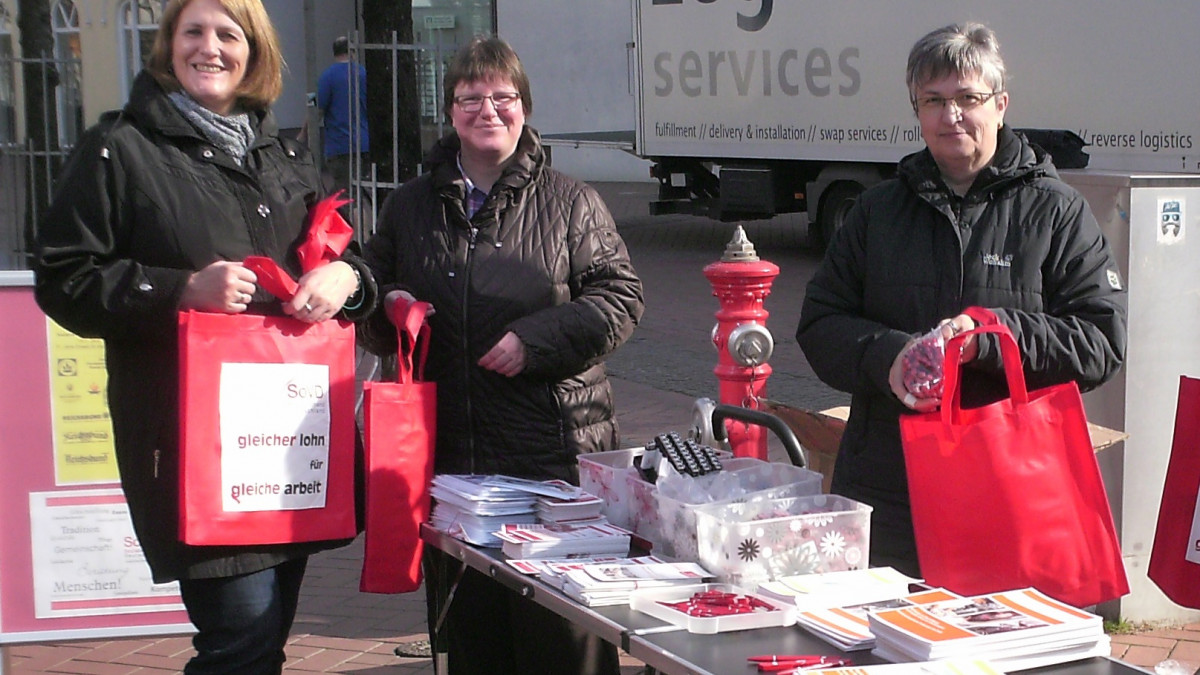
(531, 289)
(978, 217)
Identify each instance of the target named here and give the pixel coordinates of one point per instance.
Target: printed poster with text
(83, 439)
(87, 560)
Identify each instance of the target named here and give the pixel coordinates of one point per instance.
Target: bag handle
(412, 332)
(1013, 371)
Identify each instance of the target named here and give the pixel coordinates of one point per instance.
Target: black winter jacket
(143, 202)
(1020, 242)
(541, 258)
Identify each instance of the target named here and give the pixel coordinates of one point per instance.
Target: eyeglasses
(500, 101)
(964, 102)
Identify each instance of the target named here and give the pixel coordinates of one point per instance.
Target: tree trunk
(383, 21)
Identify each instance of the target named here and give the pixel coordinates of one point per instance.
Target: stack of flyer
(558, 541)
(473, 507)
(834, 605)
(598, 585)
(847, 626)
(585, 508)
(833, 589)
(1014, 630)
(553, 570)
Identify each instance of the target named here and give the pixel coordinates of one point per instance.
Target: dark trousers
(243, 622)
(490, 629)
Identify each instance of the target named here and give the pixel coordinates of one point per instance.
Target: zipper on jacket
(466, 343)
(157, 454)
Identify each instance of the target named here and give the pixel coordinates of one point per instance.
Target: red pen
(780, 663)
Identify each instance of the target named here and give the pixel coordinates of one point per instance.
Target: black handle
(724, 411)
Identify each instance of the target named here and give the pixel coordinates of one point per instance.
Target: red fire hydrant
(741, 281)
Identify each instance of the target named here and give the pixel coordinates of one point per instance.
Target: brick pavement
(339, 630)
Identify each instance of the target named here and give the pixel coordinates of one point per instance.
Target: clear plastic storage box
(629, 501)
(746, 479)
(747, 543)
(612, 477)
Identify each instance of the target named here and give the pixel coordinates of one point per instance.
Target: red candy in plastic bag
(922, 365)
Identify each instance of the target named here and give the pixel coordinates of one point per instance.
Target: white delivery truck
(753, 108)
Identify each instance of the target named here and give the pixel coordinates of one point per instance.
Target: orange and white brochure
(848, 627)
(1015, 629)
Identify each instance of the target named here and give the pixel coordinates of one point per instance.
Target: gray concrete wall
(306, 31)
(578, 64)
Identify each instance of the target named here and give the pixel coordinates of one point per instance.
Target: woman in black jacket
(154, 211)
(532, 288)
(977, 218)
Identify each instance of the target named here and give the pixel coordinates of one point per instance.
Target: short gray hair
(957, 49)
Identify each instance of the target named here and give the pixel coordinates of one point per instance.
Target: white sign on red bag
(275, 437)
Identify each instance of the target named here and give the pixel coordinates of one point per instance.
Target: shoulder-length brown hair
(264, 73)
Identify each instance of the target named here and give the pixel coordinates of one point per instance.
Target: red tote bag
(1175, 558)
(401, 426)
(1009, 495)
(267, 430)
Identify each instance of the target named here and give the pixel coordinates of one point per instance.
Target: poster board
(70, 567)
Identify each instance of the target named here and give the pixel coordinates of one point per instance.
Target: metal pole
(395, 108)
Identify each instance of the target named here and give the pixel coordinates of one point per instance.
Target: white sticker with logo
(274, 436)
(1114, 279)
(1172, 221)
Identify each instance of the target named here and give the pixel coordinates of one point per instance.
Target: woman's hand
(408, 298)
(507, 357)
(949, 328)
(961, 324)
(322, 292)
(220, 287)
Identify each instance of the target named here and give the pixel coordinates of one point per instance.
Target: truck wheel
(835, 205)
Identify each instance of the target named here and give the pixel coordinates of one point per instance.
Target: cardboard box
(820, 433)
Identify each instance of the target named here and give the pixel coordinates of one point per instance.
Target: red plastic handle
(1013, 371)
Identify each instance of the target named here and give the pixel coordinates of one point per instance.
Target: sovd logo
(747, 22)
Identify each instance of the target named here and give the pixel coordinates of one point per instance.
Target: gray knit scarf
(231, 133)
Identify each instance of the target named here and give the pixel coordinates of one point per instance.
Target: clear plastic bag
(922, 363)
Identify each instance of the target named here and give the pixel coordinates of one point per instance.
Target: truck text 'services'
(752, 108)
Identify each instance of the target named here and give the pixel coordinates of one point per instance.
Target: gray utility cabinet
(1152, 221)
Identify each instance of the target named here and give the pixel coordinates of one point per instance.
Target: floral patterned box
(755, 479)
(747, 543)
(612, 477)
(629, 501)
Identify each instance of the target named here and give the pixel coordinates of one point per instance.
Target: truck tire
(835, 204)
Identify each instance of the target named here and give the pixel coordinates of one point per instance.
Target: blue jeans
(243, 622)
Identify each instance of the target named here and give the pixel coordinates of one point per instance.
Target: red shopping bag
(401, 425)
(267, 427)
(1009, 495)
(1175, 558)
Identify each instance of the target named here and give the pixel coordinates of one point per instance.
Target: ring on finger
(910, 400)
(308, 307)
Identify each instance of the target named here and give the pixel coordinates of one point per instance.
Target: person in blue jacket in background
(337, 88)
